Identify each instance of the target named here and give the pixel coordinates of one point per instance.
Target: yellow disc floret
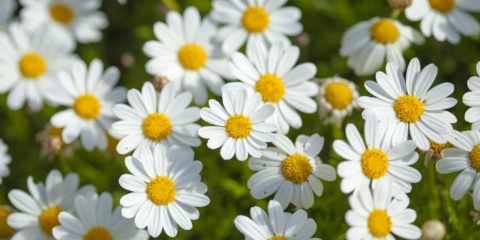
(408, 109)
(278, 238)
(438, 147)
(192, 57)
(255, 19)
(161, 190)
(296, 168)
(98, 233)
(157, 126)
(379, 223)
(384, 31)
(443, 6)
(32, 65)
(48, 219)
(5, 230)
(374, 163)
(87, 106)
(338, 94)
(62, 13)
(475, 158)
(270, 87)
(238, 126)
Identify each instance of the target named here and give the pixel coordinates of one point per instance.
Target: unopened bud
(399, 4)
(159, 82)
(433, 230)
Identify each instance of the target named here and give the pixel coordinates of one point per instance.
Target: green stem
(64, 163)
(172, 5)
(396, 13)
(434, 200)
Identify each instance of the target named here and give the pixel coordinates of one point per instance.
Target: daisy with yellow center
(276, 224)
(471, 99)
(445, 19)
(165, 184)
(291, 171)
(375, 160)
(153, 118)
(376, 215)
(96, 221)
(185, 54)
(254, 21)
(412, 105)
(369, 43)
(90, 95)
(240, 128)
(337, 98)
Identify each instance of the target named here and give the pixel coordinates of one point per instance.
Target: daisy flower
(277, 225)
(272, 73)
(80, 19)
(471, 99)
(38, 212)
(292, 171)
(156, 119)
(240, 127)
(89, 93)
(5, 159)
(411, 105)
(6, 232)
(375, 215)
(368, 43)
(337, 98)
(186, 55)
(6, 13)
(445, 19)
(166, 189)
(375, 160)
(256, 21)
(95, 220)
(30, 62)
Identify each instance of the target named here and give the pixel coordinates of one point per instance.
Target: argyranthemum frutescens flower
(445, 19)
(5, 159)
(166, 189)
(6, 12)
(6, 232)
(292, 171)
(368, 43)
(30, 61)
(411, 106)
(472, 99)
(375, 160)
(156, 119)
(186, 55)
(272, 73)
(38, 212)
(336, 99)
(240, 127)
(277, 225)
(80, 19)
(376, 215)
(255, 21)
(90, 95)
(94, 220)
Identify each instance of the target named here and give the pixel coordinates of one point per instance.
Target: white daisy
(272, 73)
(38, 212)
(5, 159)
(80, 19)
(94, 220)
(472, 99)
(156, 119)
(368, 43)
(411, 105)
(30, 60)
(375, 215)
(292, 171)
(166, 189)
(337, 98)
(6, 232)
(240, 127)
(6, 13)
(277, 225)
(186, 55)
(265, 21)
(445, 19)
(90, 95)
(375, 160)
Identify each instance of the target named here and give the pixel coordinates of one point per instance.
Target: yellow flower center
(157, 126)
(384, 32)
(161, 190)
(270, 87)
(438, 147)
(374, 163)
(32, 65)
(379, 223)
(443, 6)
(62, 13)
(255, 19)
(5, 230)
(475, 158)
(238, 126)
(278, 238)
(192, 57)
(98, 233)
(49, 219)
(338, 94)
(87, 106)
(296, 168)
(409, 109)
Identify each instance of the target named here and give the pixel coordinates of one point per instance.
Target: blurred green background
(324, 23)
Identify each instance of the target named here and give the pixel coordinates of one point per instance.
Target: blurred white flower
(337, 98)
